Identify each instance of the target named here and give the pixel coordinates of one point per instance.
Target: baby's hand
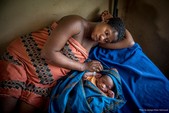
(87, 74)
(110, 93)
(84, 77)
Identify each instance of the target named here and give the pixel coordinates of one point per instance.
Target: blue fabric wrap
(74, 95)
(145, 87)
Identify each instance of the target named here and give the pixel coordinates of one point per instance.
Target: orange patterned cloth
(27, 76)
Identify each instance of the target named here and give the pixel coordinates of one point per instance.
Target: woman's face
(105, 83)
(104, 33)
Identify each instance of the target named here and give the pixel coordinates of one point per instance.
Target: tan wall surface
(148, 21)
(18, 17)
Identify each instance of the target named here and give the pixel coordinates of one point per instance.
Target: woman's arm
(125, 43)
(67, 27)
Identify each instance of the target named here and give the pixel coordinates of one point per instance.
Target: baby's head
(107, 81)
(105, 84)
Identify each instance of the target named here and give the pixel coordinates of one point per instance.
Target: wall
(148, 21)
(19, 17)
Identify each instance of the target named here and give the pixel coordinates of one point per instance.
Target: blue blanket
(145, 87)
(74, 95)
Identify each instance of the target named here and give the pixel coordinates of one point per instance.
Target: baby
(102, 81)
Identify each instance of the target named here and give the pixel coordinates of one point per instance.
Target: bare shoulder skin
(69, 26)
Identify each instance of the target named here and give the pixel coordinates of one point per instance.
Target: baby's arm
(89, 74)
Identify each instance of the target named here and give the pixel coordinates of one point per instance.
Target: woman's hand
(93, 66)
(105, 16)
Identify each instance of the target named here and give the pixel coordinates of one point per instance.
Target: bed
(145, 87)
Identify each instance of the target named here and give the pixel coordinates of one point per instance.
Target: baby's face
(105, 83)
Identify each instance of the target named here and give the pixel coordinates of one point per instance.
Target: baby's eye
(108, 87)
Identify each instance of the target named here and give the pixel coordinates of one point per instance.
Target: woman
(88, 34)
(33, 65)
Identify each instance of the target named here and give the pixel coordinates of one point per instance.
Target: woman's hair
(118, 24)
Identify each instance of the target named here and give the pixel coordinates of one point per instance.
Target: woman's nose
(102, 37)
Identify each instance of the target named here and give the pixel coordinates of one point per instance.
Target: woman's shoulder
(74, 23)
(72, 18)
